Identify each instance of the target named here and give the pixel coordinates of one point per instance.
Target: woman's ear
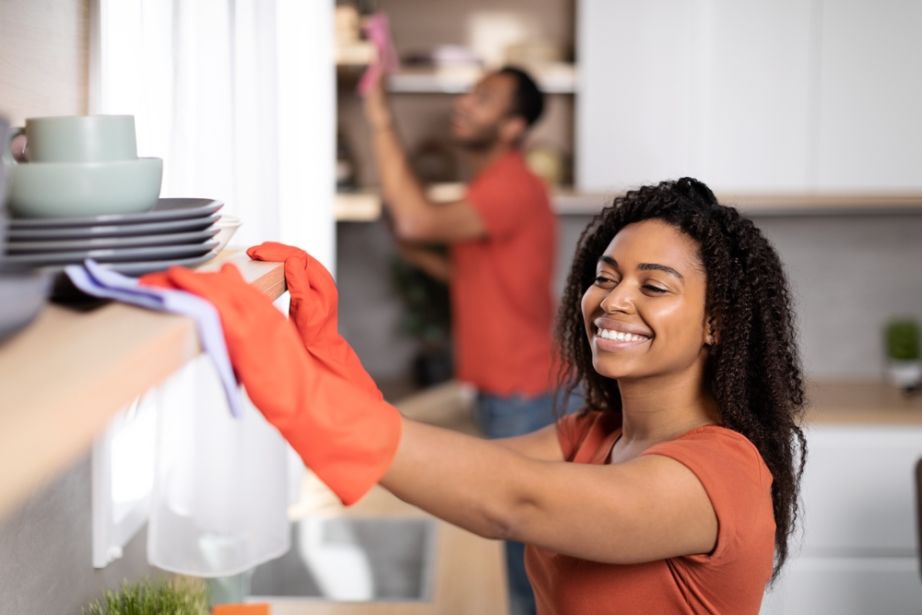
(710, 334)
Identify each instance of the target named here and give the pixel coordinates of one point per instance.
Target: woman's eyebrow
(608, 261)
(658, 267)
(611, 262)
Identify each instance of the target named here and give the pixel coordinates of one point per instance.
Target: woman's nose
(619, 299)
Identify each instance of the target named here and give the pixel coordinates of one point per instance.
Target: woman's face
(644, 313)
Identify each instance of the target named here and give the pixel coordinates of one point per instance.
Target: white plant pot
(904, 373)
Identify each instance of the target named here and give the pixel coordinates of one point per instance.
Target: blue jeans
(500, 416)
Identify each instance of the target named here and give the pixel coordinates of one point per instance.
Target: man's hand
(436, 265)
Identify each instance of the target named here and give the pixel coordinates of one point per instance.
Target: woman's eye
(654, 289)
(601, 280)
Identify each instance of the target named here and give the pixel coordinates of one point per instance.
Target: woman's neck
(661, 408)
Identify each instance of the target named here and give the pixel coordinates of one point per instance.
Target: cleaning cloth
(98, 281)
(378, 30)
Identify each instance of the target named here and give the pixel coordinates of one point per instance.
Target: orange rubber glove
(344, 433)
(314, 301)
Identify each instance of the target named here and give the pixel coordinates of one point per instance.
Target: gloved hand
(345, 434)
(314, 301)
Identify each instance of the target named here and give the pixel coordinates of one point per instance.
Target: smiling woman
(678, 292)
(673, 491)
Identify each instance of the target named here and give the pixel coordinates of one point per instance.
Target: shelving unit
(553, 79)
(365, 206)
(66, 375)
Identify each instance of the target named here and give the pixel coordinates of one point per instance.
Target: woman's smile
(612, 336)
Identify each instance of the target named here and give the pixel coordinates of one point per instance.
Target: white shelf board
(366, 206)
(553, 79)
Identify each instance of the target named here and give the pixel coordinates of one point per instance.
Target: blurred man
(502, 238)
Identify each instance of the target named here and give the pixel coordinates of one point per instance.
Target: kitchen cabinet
(857, 551)
(792, 97)
(634, 111)
(869, 95)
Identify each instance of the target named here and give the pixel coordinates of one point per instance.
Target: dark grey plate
(16, 247)
(164, 210)
(112, 230)
(64, 291)
(117, 255)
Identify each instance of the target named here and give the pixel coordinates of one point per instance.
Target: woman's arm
(543, 444)
(646, 509)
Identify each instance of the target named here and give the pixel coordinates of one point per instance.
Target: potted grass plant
(153, 597)
(426, 318)
(904, 367)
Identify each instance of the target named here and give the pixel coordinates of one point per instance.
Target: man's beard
(482, 141)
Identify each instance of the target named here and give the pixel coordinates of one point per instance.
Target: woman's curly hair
(753, 371)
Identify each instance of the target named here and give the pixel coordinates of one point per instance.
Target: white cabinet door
(858, 491)
(753, 128)
(637, 84)
(717, 89)
(847, 586)
(859, 553)
(870, 95)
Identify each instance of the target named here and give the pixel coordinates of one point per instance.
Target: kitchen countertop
(65, 376)
(860, 402)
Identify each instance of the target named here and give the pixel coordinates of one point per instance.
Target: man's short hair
(527, 97)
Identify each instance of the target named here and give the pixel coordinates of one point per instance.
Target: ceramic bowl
(68, 189)
(227, 226)
(22, 295)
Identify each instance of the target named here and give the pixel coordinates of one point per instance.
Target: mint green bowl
(68, 189)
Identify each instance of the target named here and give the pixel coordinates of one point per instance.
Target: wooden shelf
(69, 372)
(769, 205)
(357, 206)
(365, 206)
(553, 79)
(355, 55)
(856, 402)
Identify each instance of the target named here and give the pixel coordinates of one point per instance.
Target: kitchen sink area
(346, 559)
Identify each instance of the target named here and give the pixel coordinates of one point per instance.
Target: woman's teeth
(619, 336)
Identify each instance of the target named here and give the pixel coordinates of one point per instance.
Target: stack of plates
(174, 232)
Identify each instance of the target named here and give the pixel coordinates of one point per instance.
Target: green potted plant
(426, 318)
(904, 367)
(153, 597)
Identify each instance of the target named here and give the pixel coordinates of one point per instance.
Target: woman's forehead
(654, 241)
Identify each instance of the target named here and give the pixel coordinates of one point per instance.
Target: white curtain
(238, 99)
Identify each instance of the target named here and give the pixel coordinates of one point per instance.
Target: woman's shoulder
(717, 441)
(726, 461)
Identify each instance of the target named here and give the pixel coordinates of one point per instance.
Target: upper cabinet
(787, 96)
(869, 99)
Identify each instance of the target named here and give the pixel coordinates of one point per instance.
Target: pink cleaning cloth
(378, 30)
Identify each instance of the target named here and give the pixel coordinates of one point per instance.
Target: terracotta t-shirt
(728, 581)
(502, 304)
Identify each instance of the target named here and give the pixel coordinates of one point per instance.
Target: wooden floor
(469, 578)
